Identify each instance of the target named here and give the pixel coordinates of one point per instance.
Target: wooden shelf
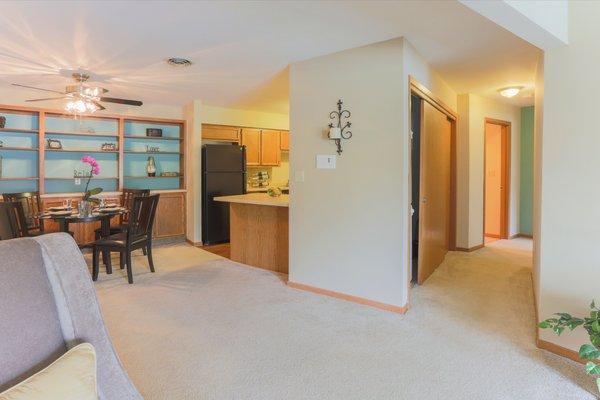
(150, 137)
(19, 130)
(19, 148)
(80, 151)
(112, 135)
(20, 179)
(152, 153)
(82, 178)
(153, 177)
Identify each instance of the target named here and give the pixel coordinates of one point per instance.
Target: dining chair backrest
(142, 216)
(127, 200)
(13, 223)
(32, 207)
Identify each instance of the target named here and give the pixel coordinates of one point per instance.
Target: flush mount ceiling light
(179, 62)
(510, 91)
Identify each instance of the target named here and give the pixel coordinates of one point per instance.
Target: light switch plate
(325, 161)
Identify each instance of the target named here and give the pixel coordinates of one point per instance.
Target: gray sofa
(48, 305)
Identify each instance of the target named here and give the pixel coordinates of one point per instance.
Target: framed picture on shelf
(154, 132)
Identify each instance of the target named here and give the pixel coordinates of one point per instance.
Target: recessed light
(510, 91)
(179, 62)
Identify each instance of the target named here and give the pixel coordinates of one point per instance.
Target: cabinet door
(170, 215)
(285, 140)
(251, 139)
(270, 148)
(221, 133)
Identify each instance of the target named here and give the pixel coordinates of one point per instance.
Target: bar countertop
(261, 199)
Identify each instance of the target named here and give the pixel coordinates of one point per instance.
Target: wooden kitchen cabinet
(270, 148)
(221, 133)
(251, 138)
(285, 140)
(170, 215)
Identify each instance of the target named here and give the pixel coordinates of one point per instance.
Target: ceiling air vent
(179, 62)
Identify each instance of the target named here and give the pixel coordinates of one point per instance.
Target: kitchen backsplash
(278, 176)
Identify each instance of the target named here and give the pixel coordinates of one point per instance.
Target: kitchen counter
(258, 230)
(259, 199)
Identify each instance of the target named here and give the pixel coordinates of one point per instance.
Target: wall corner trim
(559, 350)
(470, 249)
(350, 298)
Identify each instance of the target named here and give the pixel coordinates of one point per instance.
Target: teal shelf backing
(68, 185)
(19, 164)
(20, 121)
(158, 183)
(138, 129)
(18, 186)
(81, 143)
(63, 164)
(83, 125)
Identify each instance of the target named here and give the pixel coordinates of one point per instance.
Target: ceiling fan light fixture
(510, 91)
(80, 106)
(179, 62)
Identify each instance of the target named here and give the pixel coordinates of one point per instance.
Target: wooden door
(285, 141)
(251, 139)
(435, 190)
(496, 178)
(270, 148)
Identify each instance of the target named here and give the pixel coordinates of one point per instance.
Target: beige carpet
(203, 327)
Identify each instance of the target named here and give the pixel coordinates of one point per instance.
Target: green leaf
(558, 329)
(596, 326)
(598, 383)
(94, 191)
(544, 324)
(595, 339)
(593, 305)
(574, 323)
(592, 368)
(564, 315)
(588, 352)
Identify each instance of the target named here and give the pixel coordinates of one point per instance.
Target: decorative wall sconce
(337, 131)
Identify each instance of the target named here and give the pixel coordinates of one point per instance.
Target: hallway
(230, 331)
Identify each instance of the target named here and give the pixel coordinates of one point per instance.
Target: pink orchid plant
(95, 170)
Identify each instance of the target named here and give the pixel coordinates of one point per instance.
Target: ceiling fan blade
(37, 88)
(48, 98)
(121, 101)
(100, 106)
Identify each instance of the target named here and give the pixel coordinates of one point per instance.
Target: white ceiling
(241, 49)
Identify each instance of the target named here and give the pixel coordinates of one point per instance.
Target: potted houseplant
(589, 351)
(85, 205)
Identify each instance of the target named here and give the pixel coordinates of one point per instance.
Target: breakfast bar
(259, 230)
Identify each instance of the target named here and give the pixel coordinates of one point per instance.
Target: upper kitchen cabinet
(220, 133)
(285, 140)
(251, 138)
(270, 148)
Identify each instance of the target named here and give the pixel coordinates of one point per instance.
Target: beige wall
(569, 232)
(192, 113)
(472, 111)
(346, 224)
(249, 118)
(349, 226)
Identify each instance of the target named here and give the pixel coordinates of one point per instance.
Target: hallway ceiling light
(510, 91)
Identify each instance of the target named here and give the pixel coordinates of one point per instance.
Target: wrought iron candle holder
(338, 130)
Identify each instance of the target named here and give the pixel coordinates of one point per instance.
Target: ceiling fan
(82, 98)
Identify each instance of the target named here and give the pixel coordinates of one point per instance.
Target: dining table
(64, 218)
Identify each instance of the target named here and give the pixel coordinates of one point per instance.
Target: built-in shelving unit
(28, 164)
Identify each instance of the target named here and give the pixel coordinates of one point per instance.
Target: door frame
(506, 133)
(425, 94)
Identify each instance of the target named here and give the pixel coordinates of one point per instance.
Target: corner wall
(526, 178)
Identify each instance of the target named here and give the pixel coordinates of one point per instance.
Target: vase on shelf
(151, 167)
(85, 208)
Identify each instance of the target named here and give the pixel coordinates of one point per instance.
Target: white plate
(61, 208)
(108, 210)
(61, 213)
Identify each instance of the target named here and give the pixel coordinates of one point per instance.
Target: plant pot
(85, 208)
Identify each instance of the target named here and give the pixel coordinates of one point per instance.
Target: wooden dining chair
(32, 207)
(137, 235)
(13, 223)
(127, 203)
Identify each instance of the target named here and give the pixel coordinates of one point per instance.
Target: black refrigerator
(223, 174)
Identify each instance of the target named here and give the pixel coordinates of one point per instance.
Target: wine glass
(67, 203)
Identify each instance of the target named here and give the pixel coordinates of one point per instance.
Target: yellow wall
(248, 118)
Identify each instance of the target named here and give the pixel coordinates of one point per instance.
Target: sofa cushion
(71, 377)
(30, 332)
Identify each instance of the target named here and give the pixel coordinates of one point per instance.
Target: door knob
(424, 200)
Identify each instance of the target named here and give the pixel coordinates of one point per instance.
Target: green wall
(526, 196)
